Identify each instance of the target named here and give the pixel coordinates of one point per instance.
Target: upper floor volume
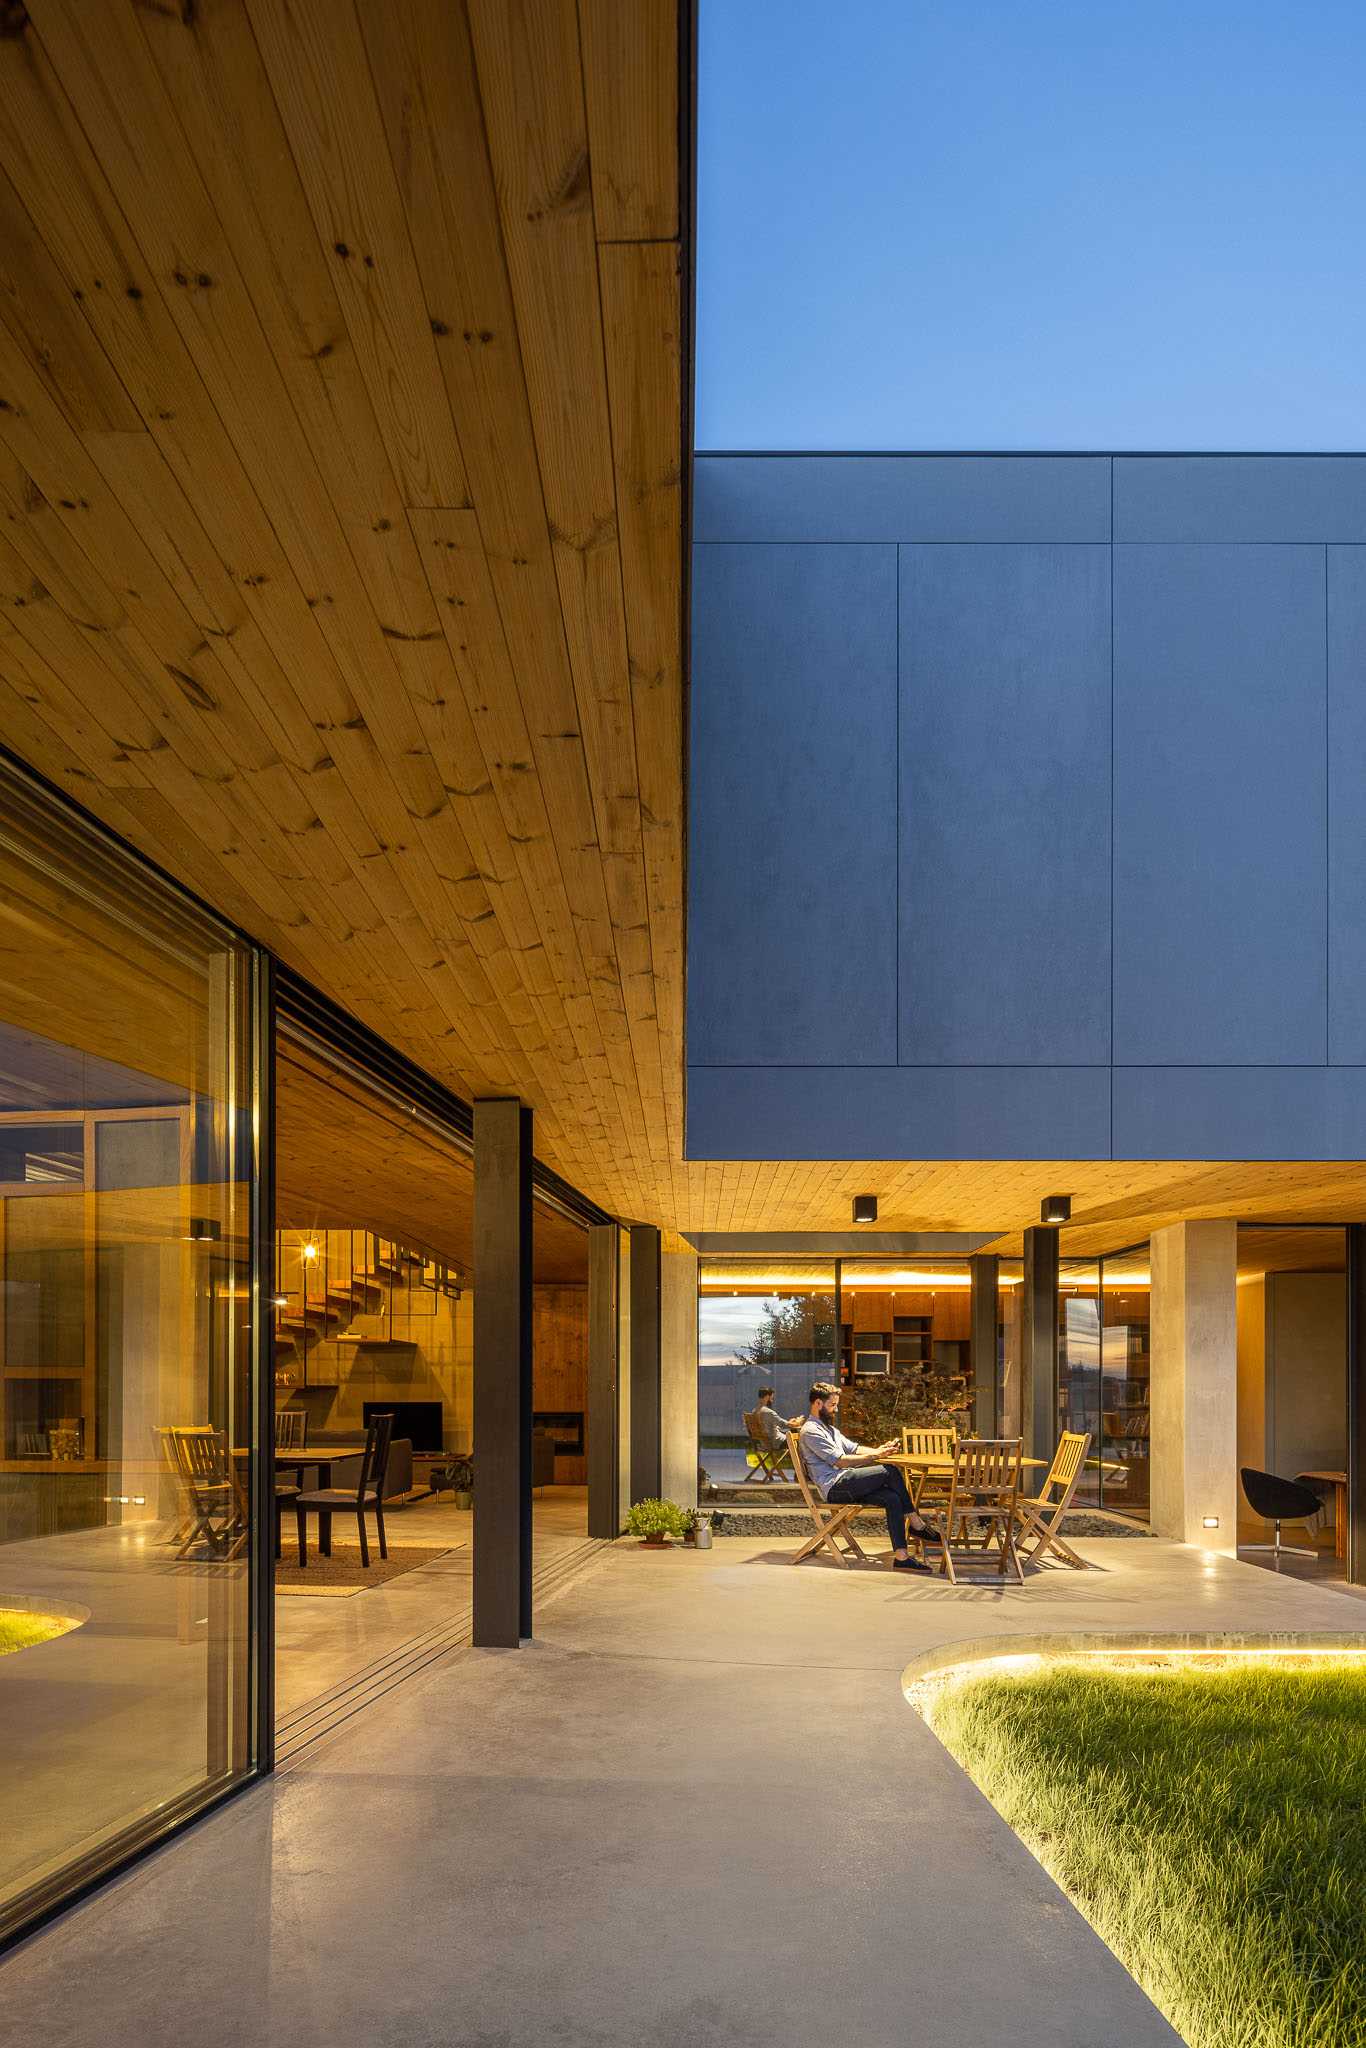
(1027, 816)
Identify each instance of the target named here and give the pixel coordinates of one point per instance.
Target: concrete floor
(697, 1810)
(323, 1642)
(111, 1721)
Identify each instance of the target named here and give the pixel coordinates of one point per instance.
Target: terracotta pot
(658, 1541)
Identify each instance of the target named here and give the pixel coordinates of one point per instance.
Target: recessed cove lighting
(865, 1208)
(1210, 1522)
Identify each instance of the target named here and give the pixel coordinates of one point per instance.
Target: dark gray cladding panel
(901, 497)
(1005, 804)
(1240, 1112)
(1220, 878)
(792, 834)
(898, 1113)
(1347, 804)
(1240, 497)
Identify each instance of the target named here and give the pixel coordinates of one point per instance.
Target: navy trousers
(881, 1486)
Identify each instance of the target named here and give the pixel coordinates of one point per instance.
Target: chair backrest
(751, 1422)
(1065, 1469)
(375, 1462)
(1276, 1499)
(928, 1443)
(809, 1493)
(986, 1470)
(291, 1429)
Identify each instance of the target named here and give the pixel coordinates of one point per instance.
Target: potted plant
(655, 1521)
(459, 1476)
(691, 1519)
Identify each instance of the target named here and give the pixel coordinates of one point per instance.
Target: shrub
(655, 1518)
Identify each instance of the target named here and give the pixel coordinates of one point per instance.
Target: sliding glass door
(128, 1437)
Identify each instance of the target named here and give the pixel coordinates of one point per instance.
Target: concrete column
(1039, 1342)
(1194, 1387)
(678, 1377)
(606, 1358)
(644, 1423)
(502, 1373)
(985, 1274)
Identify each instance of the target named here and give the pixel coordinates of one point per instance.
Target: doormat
(344, 1573)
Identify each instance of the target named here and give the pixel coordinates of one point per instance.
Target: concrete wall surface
(1193, 1391)
(1306, 1372)
(1026, 818)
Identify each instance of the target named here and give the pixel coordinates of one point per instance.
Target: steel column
(985, 1271)
(1039, 1342)
(502, 1373)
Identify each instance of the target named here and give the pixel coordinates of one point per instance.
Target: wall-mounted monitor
(868, 1362)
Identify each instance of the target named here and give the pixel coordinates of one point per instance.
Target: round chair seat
(1276, 1499)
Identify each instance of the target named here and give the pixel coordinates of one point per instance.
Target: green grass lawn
(19, 1631)
(1211, 1827)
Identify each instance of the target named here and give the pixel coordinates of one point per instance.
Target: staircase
(354, 1275)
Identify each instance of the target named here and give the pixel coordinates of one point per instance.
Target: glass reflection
(757, 1327)
(125, 1352)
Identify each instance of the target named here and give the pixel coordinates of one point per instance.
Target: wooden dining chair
(366, 1498)
(928, 1443)
(767, 1457)
(291, 1429)
(1040, 1519)
(831, 1518)
(984, 1490)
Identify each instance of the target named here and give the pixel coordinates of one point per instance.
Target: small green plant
(655, 1518)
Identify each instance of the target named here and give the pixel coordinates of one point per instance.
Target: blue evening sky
(1031, 224)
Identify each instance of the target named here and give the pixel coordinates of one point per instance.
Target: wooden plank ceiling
(340, 540)
(340, 489)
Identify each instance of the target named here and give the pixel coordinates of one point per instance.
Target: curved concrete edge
(58, 1609)
(951, 1659)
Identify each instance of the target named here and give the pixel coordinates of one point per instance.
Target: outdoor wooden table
(1338, 1481)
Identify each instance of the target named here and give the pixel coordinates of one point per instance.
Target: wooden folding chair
(984, 1489)
(1041, 1518)
(832, 1518)
(928, 1443)
(767, 1457)
(217, 1512)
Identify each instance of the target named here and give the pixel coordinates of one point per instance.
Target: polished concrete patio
(696, 1810)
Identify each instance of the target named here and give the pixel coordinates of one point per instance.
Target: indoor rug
(343, 1572)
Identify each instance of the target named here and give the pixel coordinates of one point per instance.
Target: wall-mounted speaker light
(865, 1208)
(1055, 1209)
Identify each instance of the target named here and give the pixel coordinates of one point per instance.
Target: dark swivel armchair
(1278, 1500)
(365, 1498)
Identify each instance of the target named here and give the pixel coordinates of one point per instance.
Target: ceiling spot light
(865, 1208)
(203, 1230)
(310, 1252)
(1055, 1209)
(279, 1301)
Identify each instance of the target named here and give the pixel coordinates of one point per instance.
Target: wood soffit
(340, 549)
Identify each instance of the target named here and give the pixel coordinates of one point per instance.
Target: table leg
(325, 1534)
(1340, 1521)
